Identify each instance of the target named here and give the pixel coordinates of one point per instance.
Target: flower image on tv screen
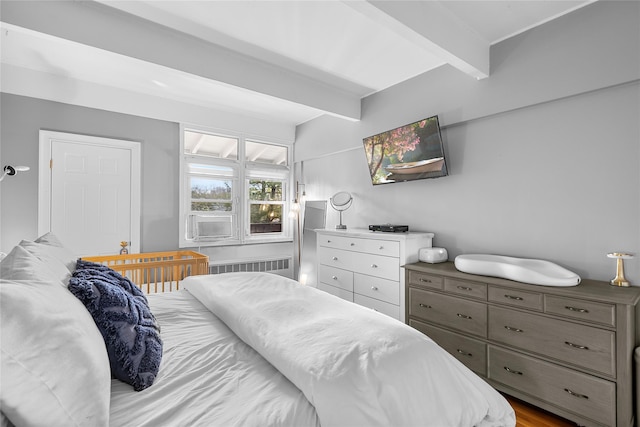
(410, 152)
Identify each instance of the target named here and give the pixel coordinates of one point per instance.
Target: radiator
(279, 266)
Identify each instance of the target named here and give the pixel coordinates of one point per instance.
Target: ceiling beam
(97, 25)
(434, 28)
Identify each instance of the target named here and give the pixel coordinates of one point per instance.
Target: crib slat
(157, 268)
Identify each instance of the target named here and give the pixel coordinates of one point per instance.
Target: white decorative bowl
(433, 255)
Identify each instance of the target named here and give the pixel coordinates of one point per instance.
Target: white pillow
(50, 239)
(54, 363)
(20, 264)
(50, 246)
(58, 259)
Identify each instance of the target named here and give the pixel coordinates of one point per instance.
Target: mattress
(208, 377)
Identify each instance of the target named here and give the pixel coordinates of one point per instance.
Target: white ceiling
(356, 47)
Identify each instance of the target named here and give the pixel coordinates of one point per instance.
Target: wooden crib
(156, 271)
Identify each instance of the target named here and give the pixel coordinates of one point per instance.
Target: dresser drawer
(346, 295)
(335, 277)
(425, 280)
(466, 288)
(453, 312)
(590, 311)
(573, 391)
(370, 246)
(580, 345)
(472, 353)
(377, 305)
(516, 298)
(373, 265)
(375, 287)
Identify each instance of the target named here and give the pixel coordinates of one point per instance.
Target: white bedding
(208, 377)
(357, 367)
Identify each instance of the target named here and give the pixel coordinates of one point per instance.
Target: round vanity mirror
(341, 201)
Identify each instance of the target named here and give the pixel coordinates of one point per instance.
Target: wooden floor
(530, 416)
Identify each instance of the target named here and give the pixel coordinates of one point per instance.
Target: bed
(237, 349)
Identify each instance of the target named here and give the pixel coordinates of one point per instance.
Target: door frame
(44, 177)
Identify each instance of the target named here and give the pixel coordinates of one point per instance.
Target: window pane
(266, 218)
(210, 194)
(266, 153)
(204, 144)
(265, 190)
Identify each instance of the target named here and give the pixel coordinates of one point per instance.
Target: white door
(93, 192)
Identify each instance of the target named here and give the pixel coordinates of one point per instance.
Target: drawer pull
(424, 305)
(374, 288)
(425, 280)
(464, 353)
(512, 329)
(465, 288)
(511, 371)
(578, 310)
(328, 241)
(374, 266)
(574, 394)
(513, 297)
(463, 316)
(335, 258)
(579, 347)
(334, 277)
(381, 247)
(353, 244)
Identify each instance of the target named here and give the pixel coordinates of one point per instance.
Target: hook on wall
(12, 170)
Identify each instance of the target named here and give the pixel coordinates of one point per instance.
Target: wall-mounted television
(409, 152)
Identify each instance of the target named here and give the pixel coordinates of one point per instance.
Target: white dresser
(364, 267)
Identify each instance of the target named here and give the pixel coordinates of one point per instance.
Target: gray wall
(544, 156)
(21, 120)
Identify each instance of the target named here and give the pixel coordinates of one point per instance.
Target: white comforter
(357, 367)
(208, 378)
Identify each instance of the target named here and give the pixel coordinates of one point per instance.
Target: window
(202, 144)
(233, 190)
(211, 193)
(259, 152)
(266, 205)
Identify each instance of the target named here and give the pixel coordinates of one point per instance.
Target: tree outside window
(266, 207)
(211, 195)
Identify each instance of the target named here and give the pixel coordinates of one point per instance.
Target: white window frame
(234, 213)
(240, 199)
(273, 173)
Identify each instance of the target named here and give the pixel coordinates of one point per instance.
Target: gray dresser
(568, 350)
(363, 266)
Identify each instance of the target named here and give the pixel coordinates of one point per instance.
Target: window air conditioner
(209, 227)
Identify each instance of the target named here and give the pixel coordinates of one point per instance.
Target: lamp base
(341, 227)
(622, 283)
